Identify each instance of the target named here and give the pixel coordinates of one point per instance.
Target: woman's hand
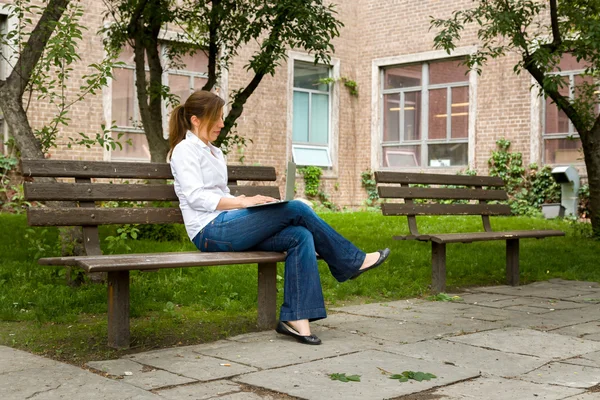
(254, 200)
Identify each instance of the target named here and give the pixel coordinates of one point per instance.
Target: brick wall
(373, 29)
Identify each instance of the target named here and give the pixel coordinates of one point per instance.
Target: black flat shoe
(286, 329)
(383, 255)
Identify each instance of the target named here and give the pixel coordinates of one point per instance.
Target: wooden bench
(475, 191)
(85, 192)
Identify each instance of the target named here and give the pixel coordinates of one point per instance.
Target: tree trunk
(591, 152)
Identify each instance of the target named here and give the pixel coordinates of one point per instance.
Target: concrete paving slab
(534, 302)
(580, 330)
(585, 396)
(585, 284)
(556, 373)
(268, 353)
(407, 311)
(311, 380)
(547, 291)
(246, 396)
(200, 391)
(529, 342)
(561, 318)
(485, 299)
(183, 362)
(595, 299)
(61, 381)
(494, 388)
(529, 309)
(136, 374)
(486, 361)
(595, 337)
(21, 360)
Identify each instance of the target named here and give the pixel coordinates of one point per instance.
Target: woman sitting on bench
(217, 221)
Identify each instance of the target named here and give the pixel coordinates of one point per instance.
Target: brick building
(416, 109)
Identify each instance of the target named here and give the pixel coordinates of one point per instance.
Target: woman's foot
(300, 330)
(372, 260)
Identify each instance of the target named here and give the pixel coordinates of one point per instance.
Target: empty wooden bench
(476, 190)
(88, 214)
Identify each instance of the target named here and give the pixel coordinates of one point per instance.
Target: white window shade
(307, 155)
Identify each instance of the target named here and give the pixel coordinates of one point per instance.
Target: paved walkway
(540, 341)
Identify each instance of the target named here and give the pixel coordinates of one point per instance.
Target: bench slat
(73, 216)
(127, 262)
(484, 236)
(436, 179)
(440, 193)
(445, 209)
(117, 192)
(130, 170)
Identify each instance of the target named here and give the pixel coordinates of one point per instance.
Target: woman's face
(211, 133)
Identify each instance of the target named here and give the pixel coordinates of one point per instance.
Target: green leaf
(343, 378)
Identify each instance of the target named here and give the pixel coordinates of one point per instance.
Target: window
(561, 142)
(425, 114)
(311, 115)
(124, 105)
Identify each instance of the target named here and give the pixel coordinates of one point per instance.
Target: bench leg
(512, 262)
(438, 263)
(267, 295)
(118, 309)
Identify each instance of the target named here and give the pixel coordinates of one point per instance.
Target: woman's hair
(206, 106)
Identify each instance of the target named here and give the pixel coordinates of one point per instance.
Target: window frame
(109, 154)
(424, 90)
(296, 146)
(572, 134)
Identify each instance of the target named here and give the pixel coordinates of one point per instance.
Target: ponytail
(178, 126)
(204, 105)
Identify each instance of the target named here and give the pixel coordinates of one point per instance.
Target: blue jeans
(293, 228)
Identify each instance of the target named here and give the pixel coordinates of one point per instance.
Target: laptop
(290, 178)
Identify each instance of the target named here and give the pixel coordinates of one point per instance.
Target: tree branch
(21, 74)
(556, 39)
(137, 14)
(213, 48)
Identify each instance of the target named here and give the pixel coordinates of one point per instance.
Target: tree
(219, 28)
(542, 33)
(41, 69)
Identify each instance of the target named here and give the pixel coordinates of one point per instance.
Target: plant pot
(553, 210)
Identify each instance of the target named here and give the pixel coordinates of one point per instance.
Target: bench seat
(481, 236)
(155, 261)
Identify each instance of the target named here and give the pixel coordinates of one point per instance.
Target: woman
(217, 221)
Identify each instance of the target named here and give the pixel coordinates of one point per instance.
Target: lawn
(40, 313)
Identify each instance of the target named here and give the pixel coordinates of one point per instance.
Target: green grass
(42, 314)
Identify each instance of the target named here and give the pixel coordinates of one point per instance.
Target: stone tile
(486, 299)
(137, 375)
(494, 388)
(200, 391)
(563, 374)
(533, 302)
(553, 291)
(585, 396)
(61, 381)
(583, 284)
(529, 309)
(580, 330)
(529, 342)
(285, 350)
(21, 360)
(595, 337)
(587, 299)
(246, 396)
(189, 364)
(486, 361)
(311, 380)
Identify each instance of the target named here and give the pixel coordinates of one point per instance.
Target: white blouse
(200, 181)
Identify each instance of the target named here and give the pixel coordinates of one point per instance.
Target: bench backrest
(474, 191)
(85, 193)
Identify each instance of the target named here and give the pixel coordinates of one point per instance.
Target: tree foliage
(220, 28)
(542, 33)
